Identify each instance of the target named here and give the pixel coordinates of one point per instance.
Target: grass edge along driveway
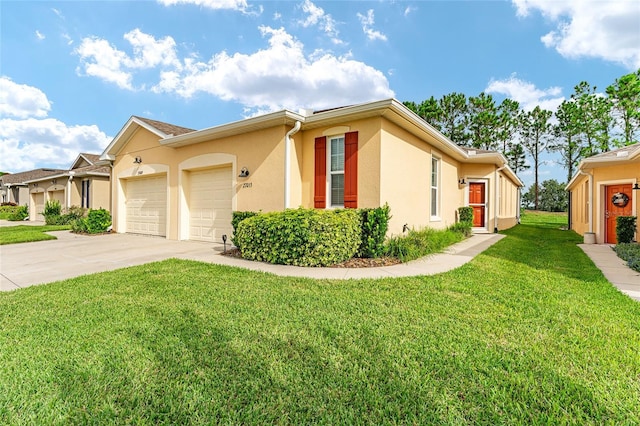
(27, 233)
(528, 332)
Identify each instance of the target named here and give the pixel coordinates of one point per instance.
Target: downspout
(287, 164)
(590, 199)
(496, 203)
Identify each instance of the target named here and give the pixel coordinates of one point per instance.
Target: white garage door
(147, 205)
(57, 196)
(210, 204)
(38, 200)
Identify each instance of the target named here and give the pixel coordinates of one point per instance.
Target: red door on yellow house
(618, 202)
(477, 200)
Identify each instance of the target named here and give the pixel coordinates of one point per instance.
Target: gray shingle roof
(17, 178)
(616, 153)
(166, 128)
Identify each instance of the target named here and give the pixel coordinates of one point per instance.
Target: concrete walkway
(72, 255)
(614, 269)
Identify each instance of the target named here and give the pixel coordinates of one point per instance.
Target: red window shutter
(351, 170)
(320, 179)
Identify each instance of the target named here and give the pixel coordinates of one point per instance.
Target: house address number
(247, 185)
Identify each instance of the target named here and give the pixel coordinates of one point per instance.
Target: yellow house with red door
(605, 187)
(184, 184)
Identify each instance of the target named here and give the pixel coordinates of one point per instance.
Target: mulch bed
(351, 263)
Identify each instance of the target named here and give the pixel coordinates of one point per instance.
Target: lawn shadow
(546, 247)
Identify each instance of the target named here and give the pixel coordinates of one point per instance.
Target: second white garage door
(38, 200)
(147, 205)
(210, 204)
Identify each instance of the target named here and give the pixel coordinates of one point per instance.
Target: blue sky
(73, 72)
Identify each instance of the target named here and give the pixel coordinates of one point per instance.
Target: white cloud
(409, 10)
(317, 16)
(590, 28)
(280, 76)
(28, 140)
(58, 13)
(28, 144)
(149, 52)
(100, 59)
(22, 101)
(367, 22)
(68, 39)
(40, 36)
(526, 93)
(238, 5)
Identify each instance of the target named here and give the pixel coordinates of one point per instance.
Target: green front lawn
(528, 332)
(27, 233)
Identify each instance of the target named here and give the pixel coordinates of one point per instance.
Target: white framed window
(335, 175)
(435, 187)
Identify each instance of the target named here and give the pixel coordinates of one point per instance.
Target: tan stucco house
(84, 184)
(605, 187)
(13, 188)
(184, 184)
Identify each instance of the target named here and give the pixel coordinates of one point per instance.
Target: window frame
(329, 203)
(435, 199)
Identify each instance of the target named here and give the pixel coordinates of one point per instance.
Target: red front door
(477, 200)
(617, 202)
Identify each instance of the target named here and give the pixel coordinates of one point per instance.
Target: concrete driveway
(71, 255)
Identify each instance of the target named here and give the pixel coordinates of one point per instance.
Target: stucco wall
(580, 205)
(368, 158)
(623, 173)
(99, 194)
(261, 152)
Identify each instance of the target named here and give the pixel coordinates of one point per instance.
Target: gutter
(287, 163)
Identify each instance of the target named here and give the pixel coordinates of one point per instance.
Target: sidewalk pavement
(614, 269)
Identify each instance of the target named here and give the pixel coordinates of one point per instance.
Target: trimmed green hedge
(300, 237)
(374, 226)
(625, 228)
(236, 218)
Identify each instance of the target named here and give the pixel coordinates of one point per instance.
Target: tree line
(586, 124)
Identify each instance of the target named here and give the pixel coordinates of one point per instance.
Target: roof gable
(626, 154)
(84, 159)
(159, 128)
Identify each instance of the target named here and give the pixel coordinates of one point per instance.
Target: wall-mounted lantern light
(137, 160)
(244, 172)
(636, 187)
(461, 181)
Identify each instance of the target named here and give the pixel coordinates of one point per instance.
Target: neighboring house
(85, 184)
(184, 184)
(13, 188)
(605, 187)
